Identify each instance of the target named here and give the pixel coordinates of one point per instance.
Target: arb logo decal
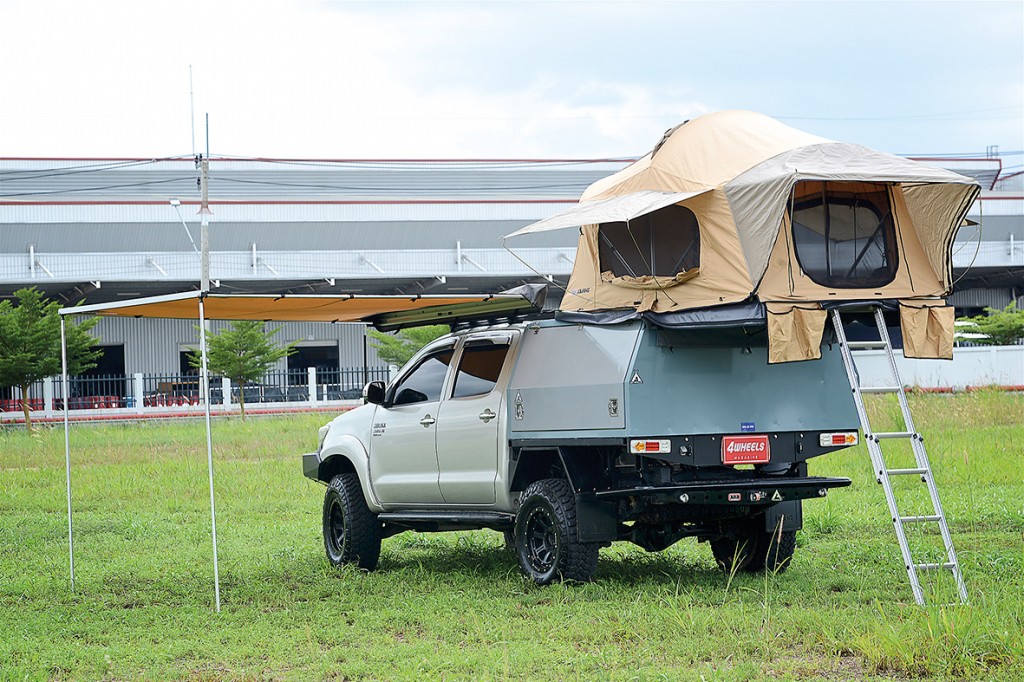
(745, 450)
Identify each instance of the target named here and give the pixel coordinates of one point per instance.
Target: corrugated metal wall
(982, 298)
(153, 346)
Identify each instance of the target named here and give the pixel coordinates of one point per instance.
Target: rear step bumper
(755, 491)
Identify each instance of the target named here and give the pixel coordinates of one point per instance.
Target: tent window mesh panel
(663, 243)
(844, 235)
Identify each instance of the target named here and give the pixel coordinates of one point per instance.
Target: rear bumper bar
(754, 491)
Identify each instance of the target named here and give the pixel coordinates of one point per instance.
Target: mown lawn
(453, 606)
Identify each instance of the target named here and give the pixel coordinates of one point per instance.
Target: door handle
(487, 415)
(427, 421)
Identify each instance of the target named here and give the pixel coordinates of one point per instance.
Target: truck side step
(428, 519)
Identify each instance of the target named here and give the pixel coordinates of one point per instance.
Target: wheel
(733, 553)
(351, 530)
(751, 549)
(545, 535)
(774, 551)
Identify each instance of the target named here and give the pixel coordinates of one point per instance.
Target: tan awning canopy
(618, 209)
(385, 312)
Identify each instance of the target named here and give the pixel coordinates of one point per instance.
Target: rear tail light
(840, 439)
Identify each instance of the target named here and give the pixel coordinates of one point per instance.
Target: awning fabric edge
(615, 209)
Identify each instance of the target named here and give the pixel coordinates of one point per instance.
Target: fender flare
(349, 448)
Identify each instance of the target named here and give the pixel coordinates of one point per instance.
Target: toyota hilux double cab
(568, 435)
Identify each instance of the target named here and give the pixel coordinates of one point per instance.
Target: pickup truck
(568, 435)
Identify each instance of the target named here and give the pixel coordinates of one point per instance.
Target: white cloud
(476, 80)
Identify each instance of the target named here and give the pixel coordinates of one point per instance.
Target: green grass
(453, 606)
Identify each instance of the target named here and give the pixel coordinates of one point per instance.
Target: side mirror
(373, 392)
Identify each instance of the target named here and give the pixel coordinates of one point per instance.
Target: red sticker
(745, 450)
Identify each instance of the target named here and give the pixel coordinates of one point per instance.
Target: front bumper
(754, 491)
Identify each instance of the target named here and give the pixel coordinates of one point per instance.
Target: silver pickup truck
(567, 436)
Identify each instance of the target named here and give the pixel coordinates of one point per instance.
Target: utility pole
(204, 212)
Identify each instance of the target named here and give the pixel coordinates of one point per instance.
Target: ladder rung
(949, 566)
(930, 518)
(867, 344)
(906, 472)
(879, 389)
(895, 434)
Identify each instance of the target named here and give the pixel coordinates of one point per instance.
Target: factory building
(98, 230)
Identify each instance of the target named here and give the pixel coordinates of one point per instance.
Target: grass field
(453, 606)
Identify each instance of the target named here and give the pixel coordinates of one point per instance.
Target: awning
(384, 312)
(614, 210)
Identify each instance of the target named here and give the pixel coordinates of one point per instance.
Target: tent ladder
(883, 474)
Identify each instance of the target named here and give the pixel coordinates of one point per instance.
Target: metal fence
(347, 383)
(169, 390)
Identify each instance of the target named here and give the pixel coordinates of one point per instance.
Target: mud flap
(789, 513)
(595, 520)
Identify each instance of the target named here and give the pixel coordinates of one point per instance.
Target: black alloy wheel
(352, 532)
(545, 535)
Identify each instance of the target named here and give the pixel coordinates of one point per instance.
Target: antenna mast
(192, 109)
(204, 212)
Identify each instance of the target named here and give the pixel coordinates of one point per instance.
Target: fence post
(225, 385)
(139, 391)
(311, 376)
(48, 397)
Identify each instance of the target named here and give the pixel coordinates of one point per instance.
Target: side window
(843, 234)
(479, 370)
(663, 243)
(424, 383)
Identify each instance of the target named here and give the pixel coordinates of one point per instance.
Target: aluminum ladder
(883, 473)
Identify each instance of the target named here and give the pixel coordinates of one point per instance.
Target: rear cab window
(480, 365)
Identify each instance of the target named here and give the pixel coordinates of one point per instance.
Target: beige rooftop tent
(736, 207)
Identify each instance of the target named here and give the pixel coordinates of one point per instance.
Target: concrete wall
(979, 366)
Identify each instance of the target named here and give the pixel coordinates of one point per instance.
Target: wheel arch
(534, 464)
(347, 455)
(582, 468)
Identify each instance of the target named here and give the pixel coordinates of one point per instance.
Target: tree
(1001, 327)
(30, 343)
(398, 348)
(243, 353)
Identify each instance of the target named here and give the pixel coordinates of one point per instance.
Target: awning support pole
(67, 446)
(209, 449)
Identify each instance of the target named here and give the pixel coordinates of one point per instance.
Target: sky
(497, 80)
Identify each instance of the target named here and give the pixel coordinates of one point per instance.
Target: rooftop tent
(770, 214)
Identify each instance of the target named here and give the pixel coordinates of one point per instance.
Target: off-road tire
(774, 552)
(733, 554)
(545, 535)
(751, 549)
(351, 530)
